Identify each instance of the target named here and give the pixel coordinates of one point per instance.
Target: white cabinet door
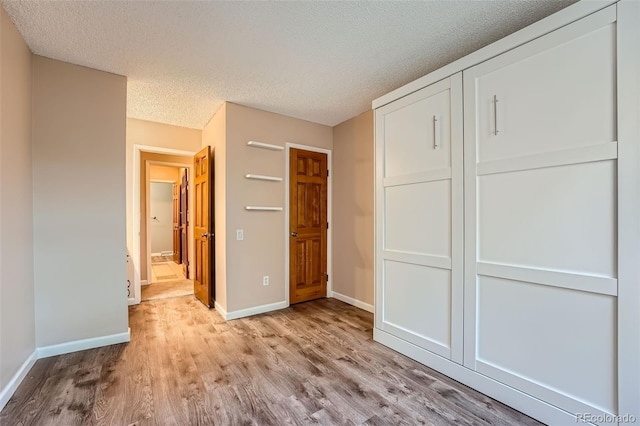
(541, 217)
(419, 218)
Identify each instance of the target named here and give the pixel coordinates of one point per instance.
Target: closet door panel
(414, 141)
(555, 218)
(527, 338)
(419, 232)
(418, 305)
(541, 236)
(419, 218)
(552, 95)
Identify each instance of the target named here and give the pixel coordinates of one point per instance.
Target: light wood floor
(166, 289)
(312, 363)
(166, 271)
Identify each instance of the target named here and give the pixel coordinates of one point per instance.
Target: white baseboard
(7, 392)
(241, 313)
(81, 345)
(350, 300)
(220, 310)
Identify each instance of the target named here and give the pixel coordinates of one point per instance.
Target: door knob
(294, 234)
(206, 235)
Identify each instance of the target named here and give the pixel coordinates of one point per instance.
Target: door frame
(148, 192)
(135, 255)
(287, 178)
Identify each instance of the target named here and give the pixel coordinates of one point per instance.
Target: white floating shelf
(269, 209)
(263, 177)
(263, 145)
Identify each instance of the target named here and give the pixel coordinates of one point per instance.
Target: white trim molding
(351, 301)
(241, 313)
(7, 392)
(220, 310)
(64, 348)
(81, 345)
(287, 182)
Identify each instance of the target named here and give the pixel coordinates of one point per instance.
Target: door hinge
(327, 225)
(327, 277)
(327, 172)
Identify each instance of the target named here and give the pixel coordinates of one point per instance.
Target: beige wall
(164, 173)
(78, 139)
(353, 208)
(158, 135)
(17, 317)
(262, 252)
(214, 135)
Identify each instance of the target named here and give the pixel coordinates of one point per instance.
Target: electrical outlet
(265, 280)
(239, 234)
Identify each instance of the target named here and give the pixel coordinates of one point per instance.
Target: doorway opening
(144, 276)
(168, 230)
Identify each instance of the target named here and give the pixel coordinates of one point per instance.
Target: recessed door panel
(556, 218)
(418, 218)
(548, 341)
(417, 135)
(561, 97)
(418, 305)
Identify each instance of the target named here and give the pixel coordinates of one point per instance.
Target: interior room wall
(17, 317)
(353, 208)
(147, 160)
(79, 125)
(164, 173)
(262, 252)
(161, 217)
(149, 133)
(214, 135)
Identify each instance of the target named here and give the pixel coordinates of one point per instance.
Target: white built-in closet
(507, 217)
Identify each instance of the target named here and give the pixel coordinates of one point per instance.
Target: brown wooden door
(184, 221)
(308, 223)
(203, 278)
(177, 255)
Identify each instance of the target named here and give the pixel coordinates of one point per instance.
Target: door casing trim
(288, 147)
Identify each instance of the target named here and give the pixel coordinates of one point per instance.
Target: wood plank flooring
(164, 290)
(313, 363)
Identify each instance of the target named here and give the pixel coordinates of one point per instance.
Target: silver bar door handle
(436, 132)
(294, 234)
(495, 115)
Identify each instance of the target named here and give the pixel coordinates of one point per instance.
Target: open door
(184, 221)
(203, 278)
(308, 222)
(176, 224)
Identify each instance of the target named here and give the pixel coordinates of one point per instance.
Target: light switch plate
(239, 234)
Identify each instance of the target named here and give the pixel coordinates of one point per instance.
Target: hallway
(167, 280)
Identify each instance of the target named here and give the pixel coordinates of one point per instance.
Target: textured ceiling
(320, 61)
